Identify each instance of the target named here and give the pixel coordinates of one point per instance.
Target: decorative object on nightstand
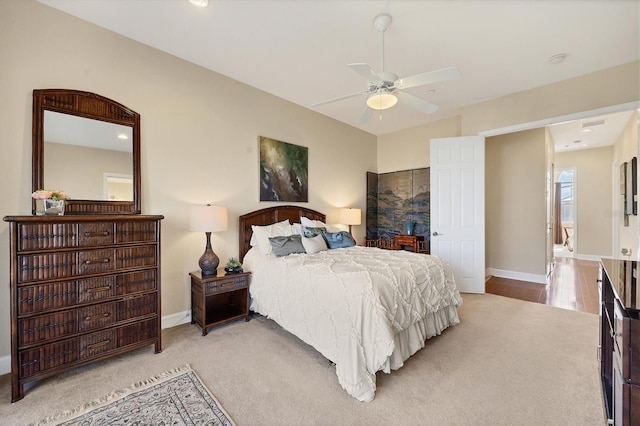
(349, 216)
(218, 299)
(233, 266)
(208, 219)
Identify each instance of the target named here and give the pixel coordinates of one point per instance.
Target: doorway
(565, 212)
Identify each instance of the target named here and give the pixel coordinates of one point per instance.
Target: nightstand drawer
(225, 285)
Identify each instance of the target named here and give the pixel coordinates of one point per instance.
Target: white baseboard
(167, 322)
(513, 275)
(174, 320)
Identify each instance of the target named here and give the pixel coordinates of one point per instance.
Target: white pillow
(309, 223)
(314, 244)
(297, 228)
(260, 234)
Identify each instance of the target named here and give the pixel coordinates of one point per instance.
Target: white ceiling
(592, 132)
(299, 50)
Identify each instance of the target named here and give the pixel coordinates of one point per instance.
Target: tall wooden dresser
(620, 340)
(83, 288)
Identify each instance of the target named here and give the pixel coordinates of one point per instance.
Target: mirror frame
(94, 107)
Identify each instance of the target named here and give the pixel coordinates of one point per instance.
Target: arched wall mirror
(89, 147)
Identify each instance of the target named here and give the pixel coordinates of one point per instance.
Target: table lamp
(208, 219)
(349, 216)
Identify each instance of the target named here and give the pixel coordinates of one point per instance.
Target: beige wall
(612, 86)
(515, 209)
(84, 180)
(624, 149)
(199, 136)
(409, 149)
(594, 188)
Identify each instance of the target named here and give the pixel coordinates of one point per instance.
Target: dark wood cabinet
(218, 299)
(415, 242)
(620, 340)
(83, 288)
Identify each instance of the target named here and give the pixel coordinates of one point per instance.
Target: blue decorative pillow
(283, 246)
(312, 232)
(340, 239)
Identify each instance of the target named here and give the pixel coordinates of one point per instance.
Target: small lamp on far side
(349, 216)
(208, 219)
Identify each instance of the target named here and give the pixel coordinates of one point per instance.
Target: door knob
(435, 234)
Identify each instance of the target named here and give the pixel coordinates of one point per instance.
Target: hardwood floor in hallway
(572, 285)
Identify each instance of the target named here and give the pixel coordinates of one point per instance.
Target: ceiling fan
(385, 89)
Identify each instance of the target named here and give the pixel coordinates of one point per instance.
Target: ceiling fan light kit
(385, 89)
(381, 101)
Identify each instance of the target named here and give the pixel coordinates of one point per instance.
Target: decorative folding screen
(395, 198)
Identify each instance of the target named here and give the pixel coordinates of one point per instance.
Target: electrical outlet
(626, 252)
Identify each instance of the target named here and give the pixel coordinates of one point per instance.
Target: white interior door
(457, 208)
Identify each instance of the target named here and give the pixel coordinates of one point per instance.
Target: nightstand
(218, 299)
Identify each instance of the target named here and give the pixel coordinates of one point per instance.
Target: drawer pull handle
(92, 262)
(90, 317)
(97, 234)
(95, 289)
(99, 344)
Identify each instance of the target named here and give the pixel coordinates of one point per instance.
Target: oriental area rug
(176, 397)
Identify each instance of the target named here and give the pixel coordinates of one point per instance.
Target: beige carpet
(508, 362)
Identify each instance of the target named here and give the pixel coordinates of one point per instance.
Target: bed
(365, 309)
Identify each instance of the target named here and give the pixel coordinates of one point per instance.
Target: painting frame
(283, 171)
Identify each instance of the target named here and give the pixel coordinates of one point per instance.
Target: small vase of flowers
(49, 202)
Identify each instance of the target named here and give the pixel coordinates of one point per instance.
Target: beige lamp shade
(349, 216)
(208, 219)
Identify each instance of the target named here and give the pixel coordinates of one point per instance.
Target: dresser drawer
(136, 257)
(47, 236)
(43, 328)
(58, 295)
(84, 348)
(40, 236)
(96, 233)
(136, 232)
(64, 264)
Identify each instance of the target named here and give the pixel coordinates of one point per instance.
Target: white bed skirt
(408, 342)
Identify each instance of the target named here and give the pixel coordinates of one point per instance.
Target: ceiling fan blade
(367, 72)
(444, 74)
(366, 116)
(417, 103)
(339, 98)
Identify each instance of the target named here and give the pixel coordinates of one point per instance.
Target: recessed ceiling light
(556, 59)
(199, 3)
(123, 137)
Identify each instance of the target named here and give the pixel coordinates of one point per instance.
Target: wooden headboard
(271, 215)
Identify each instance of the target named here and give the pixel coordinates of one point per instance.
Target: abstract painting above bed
(363, 308)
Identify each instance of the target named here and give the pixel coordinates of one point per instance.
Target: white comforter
(363, 308)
